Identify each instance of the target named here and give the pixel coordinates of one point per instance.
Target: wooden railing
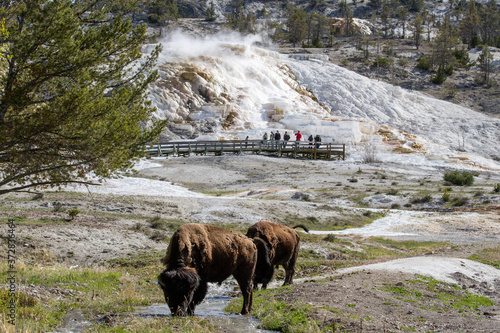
(281, 148)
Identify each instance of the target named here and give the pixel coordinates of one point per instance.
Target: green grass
(489, 256)
(278, 315)
(409, 245)
(94, 290)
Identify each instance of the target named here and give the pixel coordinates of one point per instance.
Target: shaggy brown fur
(200, 253)
(283, 244)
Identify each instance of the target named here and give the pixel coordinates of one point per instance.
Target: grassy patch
(347, 221)
(489, 256)
(95, 290)
(409, 245)
(435, 295)
(277, 314)
(160, 325)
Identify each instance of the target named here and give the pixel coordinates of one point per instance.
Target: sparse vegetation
(463, 178)
(459, 201)
(421, 199)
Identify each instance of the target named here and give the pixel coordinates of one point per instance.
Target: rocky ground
(236, 191)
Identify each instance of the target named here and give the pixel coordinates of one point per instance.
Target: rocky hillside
(462, 87)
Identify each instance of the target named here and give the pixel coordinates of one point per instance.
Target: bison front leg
(246, 287)
(198, 297)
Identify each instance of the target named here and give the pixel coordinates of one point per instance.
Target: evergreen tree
(403, 17)
(417, 31)
(485, 64)
(73, 92)
(348, 25)
(320, 23)
(297, 28)
(444, 44)
(429, 20)
(469, 26)
(490, 23)
(210, 13)
(163, 11)
(384, 17)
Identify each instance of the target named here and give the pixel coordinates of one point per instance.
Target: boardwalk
(293, 149)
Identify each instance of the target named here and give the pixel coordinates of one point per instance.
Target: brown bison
(200, 253)
(283, 245)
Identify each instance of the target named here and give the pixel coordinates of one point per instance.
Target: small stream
(218, 297)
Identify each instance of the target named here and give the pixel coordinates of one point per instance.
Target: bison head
(178, 287)
(264, 269)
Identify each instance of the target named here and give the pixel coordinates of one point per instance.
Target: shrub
(459, 178)
(446, 196)
(424, 199)
(424, 63)
(157, 223)
(459, 201)
(73, 213)
(383, 62)
(496, 188)
(449, 69)
(439, 78)
(392, 191)
(462, 58)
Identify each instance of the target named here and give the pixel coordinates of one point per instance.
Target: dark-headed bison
(200, 253)
(283, 244)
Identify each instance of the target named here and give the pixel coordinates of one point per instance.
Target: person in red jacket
(298, 137)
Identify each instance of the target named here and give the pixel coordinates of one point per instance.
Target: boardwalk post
(343, 152)
(159, 148)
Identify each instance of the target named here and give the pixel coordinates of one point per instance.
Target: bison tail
(302, 226)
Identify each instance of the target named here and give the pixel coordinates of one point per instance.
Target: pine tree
(210, 13)
(469, 26)
(403, 17)
(73, 92)
(384, 17)
(296, 23)
(444, 43)
(163, 11)
(417, 31)
(490, 23)
(485, 64)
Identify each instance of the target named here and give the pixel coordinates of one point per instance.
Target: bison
(198, 254)
(283, 245)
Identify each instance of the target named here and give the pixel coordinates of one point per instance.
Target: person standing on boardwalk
(264, 138)
(298, 136)
(271, 137)
(286, 137)
(317, 139)
(277, 138)
(310, 139)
